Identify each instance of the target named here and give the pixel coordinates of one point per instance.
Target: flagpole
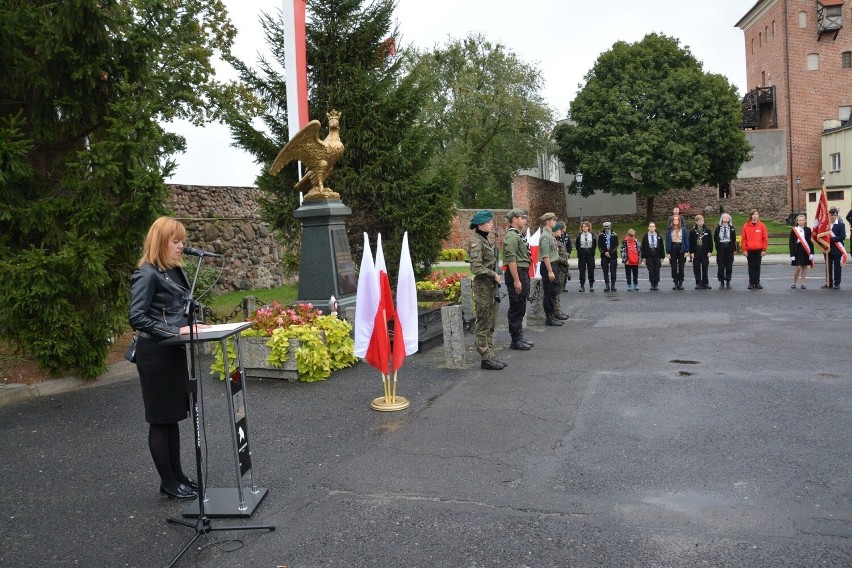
(825, 256)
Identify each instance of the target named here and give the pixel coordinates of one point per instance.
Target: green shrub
(450, 255)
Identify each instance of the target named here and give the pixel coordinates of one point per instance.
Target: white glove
(792, 258)
(811, 257)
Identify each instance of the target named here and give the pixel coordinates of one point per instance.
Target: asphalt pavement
(688, 428)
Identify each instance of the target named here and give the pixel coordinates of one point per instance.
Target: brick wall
(804, 99)
(226, 220)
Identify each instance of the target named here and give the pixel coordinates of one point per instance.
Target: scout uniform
(516, 249)
(482, 255)
(563, 266)
(547, 250)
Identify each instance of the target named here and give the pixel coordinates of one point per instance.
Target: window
(763, 78)
(846, 59)
(835, 162)
(752, 45)
(812, 197)
(724, 190)
(803, 19)
(813, 61)
(773, 28)
(834, 195)
(760, 39)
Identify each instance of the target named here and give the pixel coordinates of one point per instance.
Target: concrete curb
(739, 260)
(14, 393)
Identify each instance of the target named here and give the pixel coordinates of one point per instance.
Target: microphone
(198, 252)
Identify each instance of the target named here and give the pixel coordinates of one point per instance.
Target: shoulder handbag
(130, 354)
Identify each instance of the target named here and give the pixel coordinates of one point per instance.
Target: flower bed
(318, 344)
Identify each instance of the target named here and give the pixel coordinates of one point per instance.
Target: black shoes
(182, 492)
(519, 345)
(606, 288)
(553, 321)
(582, 287)
(530, 343)
(613, 288)
(492, 365)
(561, 316)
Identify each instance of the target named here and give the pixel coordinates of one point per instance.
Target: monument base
(326, 268)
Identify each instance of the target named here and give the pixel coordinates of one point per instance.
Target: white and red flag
(406, 326)
(296, 63)
(534, 241)
(366, 301)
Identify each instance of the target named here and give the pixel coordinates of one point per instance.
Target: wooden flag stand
(390, 401)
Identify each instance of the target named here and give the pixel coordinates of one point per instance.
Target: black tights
(164, 442)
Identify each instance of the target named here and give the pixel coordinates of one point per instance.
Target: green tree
(488, 117)
(649, 119)
(384, 174)
(84, 85)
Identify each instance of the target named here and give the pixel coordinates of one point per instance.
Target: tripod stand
(202, 525)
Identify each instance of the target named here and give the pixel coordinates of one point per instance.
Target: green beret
(558, 227)
(517, 212)
(547, 217)
(481, 217)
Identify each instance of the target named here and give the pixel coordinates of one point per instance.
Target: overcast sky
(563, 38)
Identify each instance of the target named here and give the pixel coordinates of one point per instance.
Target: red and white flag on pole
(406, 308)
(822, 224)
(366, 301)
(534, 241)
(378, 351)
(296, 62)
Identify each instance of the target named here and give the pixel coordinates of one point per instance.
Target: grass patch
(225, 304)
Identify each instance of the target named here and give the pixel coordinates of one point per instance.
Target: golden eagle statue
(319, 157)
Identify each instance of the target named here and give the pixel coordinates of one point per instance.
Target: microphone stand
(202, 524)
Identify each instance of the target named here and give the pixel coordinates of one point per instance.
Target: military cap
(607, 225)
(516, 212)
(558, 227)
(481, 217)
(547, 217)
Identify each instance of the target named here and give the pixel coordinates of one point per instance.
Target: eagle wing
(302, 147)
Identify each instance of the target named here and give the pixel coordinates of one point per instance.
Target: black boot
(552, 321)
(492, 365)
(519, 345)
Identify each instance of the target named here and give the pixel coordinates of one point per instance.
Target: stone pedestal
(326, 268)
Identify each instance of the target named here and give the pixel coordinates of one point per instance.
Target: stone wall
(226, 220)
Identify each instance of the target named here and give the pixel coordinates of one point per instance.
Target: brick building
(799, 72)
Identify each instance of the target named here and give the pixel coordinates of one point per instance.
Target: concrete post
(451, 319)
(536, 309)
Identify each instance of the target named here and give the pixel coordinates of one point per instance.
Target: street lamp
(578, 177)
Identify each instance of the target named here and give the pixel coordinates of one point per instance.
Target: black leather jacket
(157, 302)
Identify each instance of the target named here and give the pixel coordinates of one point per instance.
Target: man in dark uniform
(516, 256)
(486, 282)
(609, 246)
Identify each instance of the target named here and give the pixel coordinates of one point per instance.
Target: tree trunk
(649, 208)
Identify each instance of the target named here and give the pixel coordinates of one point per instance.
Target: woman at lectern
(158, 290)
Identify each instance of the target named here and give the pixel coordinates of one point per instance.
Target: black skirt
(164, 378)
(801, 256)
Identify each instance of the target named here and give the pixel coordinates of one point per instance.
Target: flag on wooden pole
(295, 60)
(406, 328)
(366, 301)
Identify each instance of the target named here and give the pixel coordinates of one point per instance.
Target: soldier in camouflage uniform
(486, 287)
(563, 266)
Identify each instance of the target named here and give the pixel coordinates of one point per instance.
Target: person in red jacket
(754, 242)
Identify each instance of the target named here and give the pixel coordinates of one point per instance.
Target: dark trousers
(725, 262)
(753, 257)
(834, 269)
(609, 267)
(632, 274)
(677, 262)
(549, 290)
(700, 264)
(586, 262)
(517, 302)
(653, 264)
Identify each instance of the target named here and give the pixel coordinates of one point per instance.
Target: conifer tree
(384, 174)
(84, 86)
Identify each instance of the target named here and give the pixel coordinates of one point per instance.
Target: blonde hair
(156, 248)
